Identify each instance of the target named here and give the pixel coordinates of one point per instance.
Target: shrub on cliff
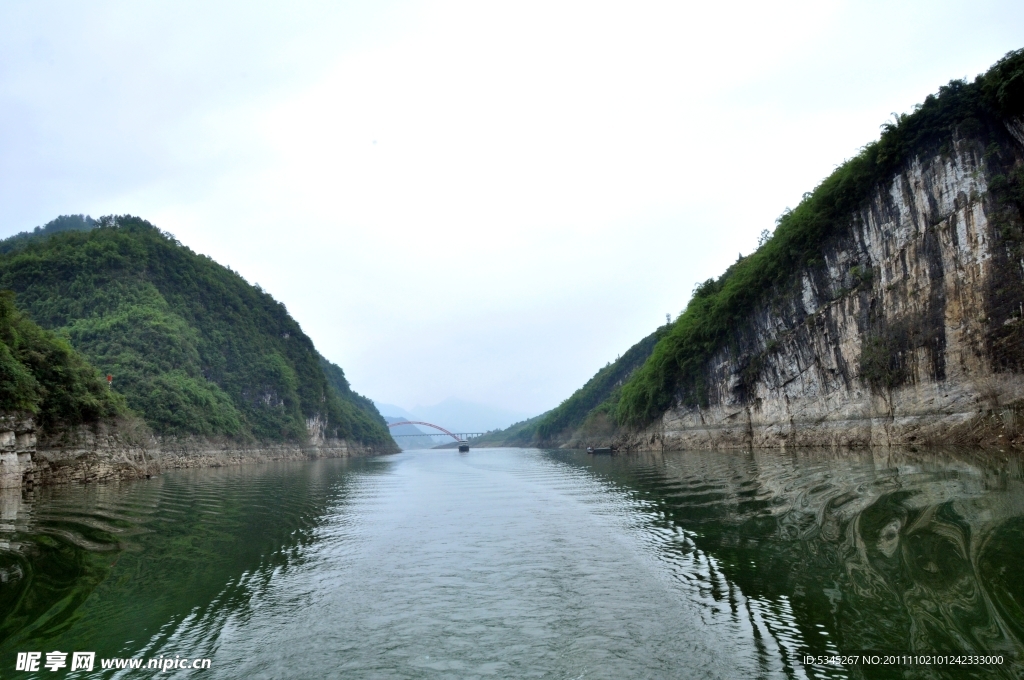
(41, 375)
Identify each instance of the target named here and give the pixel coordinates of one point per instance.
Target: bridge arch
(420, 422)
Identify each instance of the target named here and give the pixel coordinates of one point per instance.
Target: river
(527, 563)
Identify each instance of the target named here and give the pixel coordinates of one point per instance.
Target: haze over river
(526, 563)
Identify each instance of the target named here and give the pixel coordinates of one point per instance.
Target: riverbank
(124, 450)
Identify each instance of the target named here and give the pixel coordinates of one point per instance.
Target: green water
(526, 563)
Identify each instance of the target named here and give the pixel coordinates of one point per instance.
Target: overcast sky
(480, 200)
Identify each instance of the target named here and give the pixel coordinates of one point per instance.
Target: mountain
(590, 408)
(193, 348)
(587, 413)
(523, 434)
(885, 308)
(413, 436)
(388, 410)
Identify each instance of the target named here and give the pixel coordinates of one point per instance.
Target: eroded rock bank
(908, 328)
(123, 450)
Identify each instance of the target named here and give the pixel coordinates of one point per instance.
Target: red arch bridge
(460, 437)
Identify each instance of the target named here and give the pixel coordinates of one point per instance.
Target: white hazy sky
(479, 200)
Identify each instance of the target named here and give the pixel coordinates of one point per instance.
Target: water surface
(527, 563)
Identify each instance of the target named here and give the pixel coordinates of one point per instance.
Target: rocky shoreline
(121, 451)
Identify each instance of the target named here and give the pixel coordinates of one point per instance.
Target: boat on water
(463, 448)
(608, 450)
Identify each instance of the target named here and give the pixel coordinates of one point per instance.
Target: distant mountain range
(407, 435)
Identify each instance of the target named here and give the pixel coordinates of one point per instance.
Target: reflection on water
(845, 552)
(523, 562)
(113, 568)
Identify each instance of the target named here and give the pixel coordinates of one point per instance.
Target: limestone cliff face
(910, 323)
(109, 451)
(17, 442)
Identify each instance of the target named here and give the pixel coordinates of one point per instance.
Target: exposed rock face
(17, 442)
(119, 451)
(912, 323)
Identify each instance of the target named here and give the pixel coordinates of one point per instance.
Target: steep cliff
(887, 308)
(910, 323)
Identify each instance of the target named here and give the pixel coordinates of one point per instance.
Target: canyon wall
(909, 325)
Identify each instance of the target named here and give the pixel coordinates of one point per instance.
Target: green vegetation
(193, 347)
(601, 392)
(882, 365)
(62, 223)
(674, 372)
(41, 375)
(363, 417)
(589, 408)
(518, 434)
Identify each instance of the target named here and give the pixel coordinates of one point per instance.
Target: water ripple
(527, 563)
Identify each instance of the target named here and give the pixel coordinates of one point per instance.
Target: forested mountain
(194, 349)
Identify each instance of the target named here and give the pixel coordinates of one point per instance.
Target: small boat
(463, 448)
(609, 450)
